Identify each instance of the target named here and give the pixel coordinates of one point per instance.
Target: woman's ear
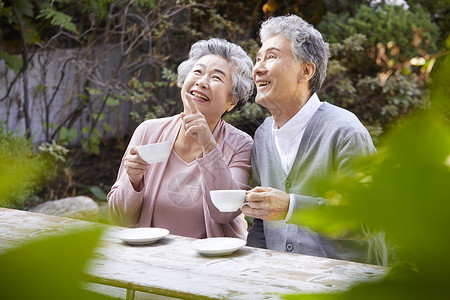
(231, 105)
(307, 71)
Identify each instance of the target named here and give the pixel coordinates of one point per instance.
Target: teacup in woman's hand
(228, 200)
(154, 153)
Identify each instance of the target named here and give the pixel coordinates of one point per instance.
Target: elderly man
(305, 138)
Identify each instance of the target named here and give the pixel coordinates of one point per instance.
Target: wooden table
(171, 267)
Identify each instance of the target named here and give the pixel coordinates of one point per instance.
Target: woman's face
(209, 83)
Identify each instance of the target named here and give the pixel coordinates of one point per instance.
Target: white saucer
(142, 236)
(217, 246)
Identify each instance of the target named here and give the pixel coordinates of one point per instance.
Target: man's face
(276, 74)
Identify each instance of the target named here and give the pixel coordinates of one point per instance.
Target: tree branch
(24, 70)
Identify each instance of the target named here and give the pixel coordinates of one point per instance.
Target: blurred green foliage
(49, 268)
(404, 190)
(22, 171)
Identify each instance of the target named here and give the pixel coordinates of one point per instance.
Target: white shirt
(288, 137)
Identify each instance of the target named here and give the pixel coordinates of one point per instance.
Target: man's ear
(306, 72)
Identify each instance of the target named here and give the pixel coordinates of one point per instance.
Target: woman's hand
(196, 126)
(135, 167)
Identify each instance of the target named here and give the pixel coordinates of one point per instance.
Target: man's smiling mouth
(262, 83)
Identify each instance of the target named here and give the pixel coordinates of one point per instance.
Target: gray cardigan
(332, 138)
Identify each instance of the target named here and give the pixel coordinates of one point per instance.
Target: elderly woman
(206, 153)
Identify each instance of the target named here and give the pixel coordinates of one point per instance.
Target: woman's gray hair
(241, 66)
(307, 44)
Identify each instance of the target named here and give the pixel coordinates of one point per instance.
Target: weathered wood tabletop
(171, 267)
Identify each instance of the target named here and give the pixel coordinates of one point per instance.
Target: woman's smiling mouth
(199, 95)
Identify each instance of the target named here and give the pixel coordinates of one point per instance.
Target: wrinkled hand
(266, 203)
(135, 167)
(196, 126)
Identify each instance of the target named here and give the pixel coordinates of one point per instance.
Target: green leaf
(67, 135)
(82, 96)
(147, 3)
(110, 101)
(98, 193)
(160, 83)
(169, 75)
(57, 18)
(107, 127)
(49, 125)
(93, 91)
(96, 134)
(95, 148)
(40, 88)
(25, 7)
(86, 129)
(100, 116)
(13, 62)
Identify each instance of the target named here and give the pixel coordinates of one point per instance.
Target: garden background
(76, 77)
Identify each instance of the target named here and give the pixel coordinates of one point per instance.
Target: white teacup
(228, 200)
(154, 153)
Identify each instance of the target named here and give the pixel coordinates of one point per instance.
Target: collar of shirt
(288, 137)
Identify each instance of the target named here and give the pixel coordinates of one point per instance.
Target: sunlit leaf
(270, 7)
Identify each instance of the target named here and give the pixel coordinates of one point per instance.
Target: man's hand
(196, 126)
(135, 167)
(266, 203)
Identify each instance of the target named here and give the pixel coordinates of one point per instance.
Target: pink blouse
(226, 167)
(178, 205)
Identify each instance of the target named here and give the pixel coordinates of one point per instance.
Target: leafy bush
(371, 70)
(384, 24)
(22, 171)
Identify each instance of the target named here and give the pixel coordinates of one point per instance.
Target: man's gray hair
(241, 66)
(307, 44)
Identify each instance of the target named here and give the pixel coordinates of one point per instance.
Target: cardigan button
(288, 183)
(289, 247)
